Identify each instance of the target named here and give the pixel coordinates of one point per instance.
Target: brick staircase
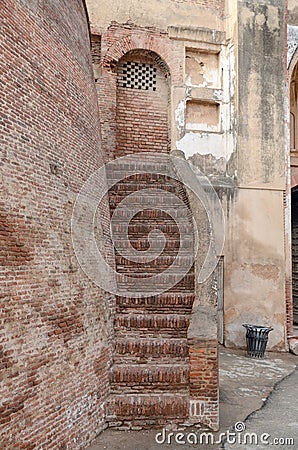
(150, 372)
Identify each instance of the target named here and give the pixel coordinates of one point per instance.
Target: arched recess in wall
(142, 104)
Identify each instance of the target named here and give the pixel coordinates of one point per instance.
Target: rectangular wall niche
(96, 54)
(202, 116)
(202, 68)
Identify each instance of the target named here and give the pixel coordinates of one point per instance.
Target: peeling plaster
(199, 139)
(273, 18)
(180, 116)
(218, 95)
(265, 271)
(204, 144)
(190, 126)
(260, 20)
(247, 16)
(202, 68)
(292, 42)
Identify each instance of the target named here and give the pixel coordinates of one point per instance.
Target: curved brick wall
(54, 325)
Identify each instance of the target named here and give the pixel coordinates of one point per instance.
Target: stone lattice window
(134, 75)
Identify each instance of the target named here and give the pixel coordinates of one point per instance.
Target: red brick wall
(204, 381)
(54, 353)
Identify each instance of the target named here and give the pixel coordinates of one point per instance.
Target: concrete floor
(276, 423)
(252, 396)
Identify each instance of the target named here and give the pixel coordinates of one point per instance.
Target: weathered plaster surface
(202, 68)
(180, 116)
(210, 138)
(254, 269)
(203, 144)
(292, 42)
(203, 323)
(292, 12)
(254, 251)
(261, 108)
(156, 13)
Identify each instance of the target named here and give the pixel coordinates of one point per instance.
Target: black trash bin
(256, 339)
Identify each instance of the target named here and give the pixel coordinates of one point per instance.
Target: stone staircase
(150, 372)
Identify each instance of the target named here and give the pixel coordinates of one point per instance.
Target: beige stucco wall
(254, 266)
(153, 13)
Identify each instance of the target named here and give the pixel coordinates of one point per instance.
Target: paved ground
(252, 396)
(275, 425)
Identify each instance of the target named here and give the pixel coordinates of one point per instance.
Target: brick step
(135, 268)
(141, 231)
(139, 289)
(153, 200)
(154, 215)
(176, 323)
(174, 199)
(174, 202)
(175, 273)
(170, 235)
(138, 377)
(157, 409)
(161, 261)
(157, 167)
(130, 185)
(143, 283)
(142, 333)
(171, 245)
(163, 303)
(153, 175)
(128, 254)
(163, 349)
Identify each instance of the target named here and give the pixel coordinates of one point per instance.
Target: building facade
(194, 102)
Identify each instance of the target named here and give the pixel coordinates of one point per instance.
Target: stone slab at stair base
(293, 344)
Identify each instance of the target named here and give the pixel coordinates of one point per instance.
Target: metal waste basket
(256, 339)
